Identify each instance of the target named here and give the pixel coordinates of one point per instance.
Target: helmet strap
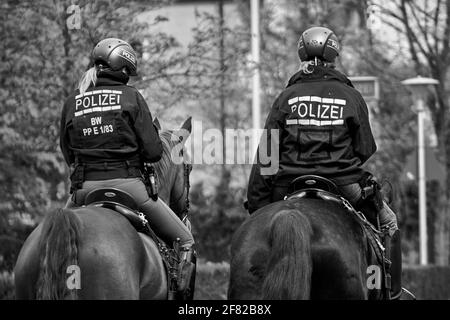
(315, 61)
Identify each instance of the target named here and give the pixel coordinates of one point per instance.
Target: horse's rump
(299, 249)
(109, 255)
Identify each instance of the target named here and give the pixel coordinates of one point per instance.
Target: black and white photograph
(224, 154)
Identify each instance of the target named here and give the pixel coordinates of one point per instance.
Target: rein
(186, 187)
(167, 138)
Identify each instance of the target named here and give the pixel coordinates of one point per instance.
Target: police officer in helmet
(107, 134)
(324, 130)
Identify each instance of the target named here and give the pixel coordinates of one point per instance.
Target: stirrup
(407, 292)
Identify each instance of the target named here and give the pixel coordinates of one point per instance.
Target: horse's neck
(165, 186)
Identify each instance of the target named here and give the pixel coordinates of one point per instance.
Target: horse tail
(288, 275)
(59, 250)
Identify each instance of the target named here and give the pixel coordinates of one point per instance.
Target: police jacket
(108, 128)
(324, 130)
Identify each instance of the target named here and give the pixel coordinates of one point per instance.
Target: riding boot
(394, 255)
(186, 272)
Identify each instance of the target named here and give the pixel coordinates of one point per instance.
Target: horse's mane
(162, 167)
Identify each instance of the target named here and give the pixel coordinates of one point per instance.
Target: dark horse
(301, 248)
(100, 247)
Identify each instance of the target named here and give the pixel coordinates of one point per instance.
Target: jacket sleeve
(260, 186)
(364, 144)
(147, 134)
(64, 141)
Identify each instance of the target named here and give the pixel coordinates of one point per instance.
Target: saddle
(312, 186)
(317, 187)
(125, 204)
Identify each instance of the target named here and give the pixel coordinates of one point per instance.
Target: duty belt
(103, 171)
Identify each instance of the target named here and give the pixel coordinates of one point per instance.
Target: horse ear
(157, 124)
(187, 125)
(185, 131)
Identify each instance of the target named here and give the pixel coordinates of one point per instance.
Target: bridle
(187, 167)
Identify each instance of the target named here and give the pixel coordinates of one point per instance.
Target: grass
(426, 282)
(6, 286)
(212, 281)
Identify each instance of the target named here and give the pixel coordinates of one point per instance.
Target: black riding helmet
(116, 54)
(318, 42)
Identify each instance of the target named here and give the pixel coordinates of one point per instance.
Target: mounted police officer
(106, 137)
(324, 130)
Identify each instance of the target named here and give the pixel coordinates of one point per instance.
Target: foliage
(214, 222)
(427, 282)
(212, 281)
(422, 30)
(6, 286)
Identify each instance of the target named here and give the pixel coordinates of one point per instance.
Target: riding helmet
(116, 54)
(318, 42)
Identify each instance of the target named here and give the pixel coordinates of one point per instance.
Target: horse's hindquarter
(336, 243)
(107, 257)
(250, 251)
(135, 267)
(110, 255)
(338, 251)
(26, 270)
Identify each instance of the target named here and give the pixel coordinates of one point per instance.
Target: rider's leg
(388, 223)
(351, 192)
(171, 228)
(388, 219)
(160, 217)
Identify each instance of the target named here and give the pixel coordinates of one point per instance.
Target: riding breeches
(161, 218)
(388, 219)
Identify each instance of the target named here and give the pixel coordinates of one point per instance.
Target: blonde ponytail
(88, 78)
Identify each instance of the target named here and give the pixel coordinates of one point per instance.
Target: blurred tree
(424, 28)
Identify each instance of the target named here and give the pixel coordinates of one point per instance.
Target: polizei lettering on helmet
(128, 55)
(333, 44)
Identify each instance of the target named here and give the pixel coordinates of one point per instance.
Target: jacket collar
(320, 73)
(110, 77)
(104, 81)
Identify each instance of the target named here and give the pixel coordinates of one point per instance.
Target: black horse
(305, 247)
